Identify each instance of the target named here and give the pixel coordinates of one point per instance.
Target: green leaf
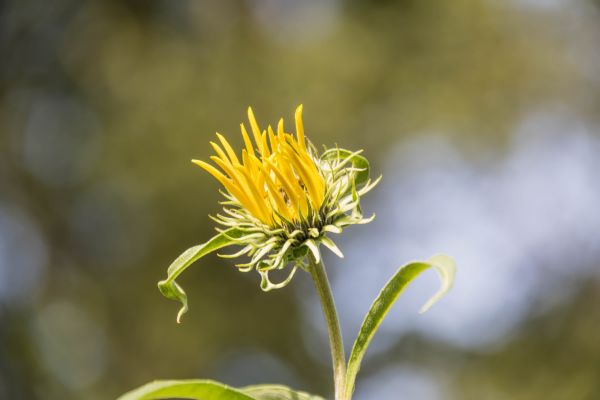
(445, 267)
(186, 389)
(170, 289)
(277, 392)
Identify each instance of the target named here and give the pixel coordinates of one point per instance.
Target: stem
(319, 276)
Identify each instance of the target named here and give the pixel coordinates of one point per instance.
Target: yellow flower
(283, 200)
(277, 177)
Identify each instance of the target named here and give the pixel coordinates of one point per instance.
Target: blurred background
(482, 116)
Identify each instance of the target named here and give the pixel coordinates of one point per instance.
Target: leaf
(445, 267)
(198, 389)
(277, 392)
(186, 389)
(170, 289)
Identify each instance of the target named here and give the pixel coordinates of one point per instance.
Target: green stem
(319, 276)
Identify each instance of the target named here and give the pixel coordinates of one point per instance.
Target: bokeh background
(482, 116)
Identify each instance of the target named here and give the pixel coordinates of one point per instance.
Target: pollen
(275, 178)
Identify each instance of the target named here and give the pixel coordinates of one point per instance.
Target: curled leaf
(442, 264)
(446, 269)
(170, 289)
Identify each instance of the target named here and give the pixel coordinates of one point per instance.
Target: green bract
(346, 176)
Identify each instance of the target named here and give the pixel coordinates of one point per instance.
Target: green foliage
(210, 390)
(394, 287)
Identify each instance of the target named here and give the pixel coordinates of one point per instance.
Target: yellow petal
(228, 149)
(247, 141)
(276, 197)
(272, 139)
(265, 147)
(225, 166)
(219, 152)
(255, 130)
(226, 182)
(308, 177)
(259, 209)
(300, 127)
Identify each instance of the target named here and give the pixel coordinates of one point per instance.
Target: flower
(277, 184)
(282, 200)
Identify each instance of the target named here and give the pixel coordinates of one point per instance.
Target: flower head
(276, 179)
(282, 200)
